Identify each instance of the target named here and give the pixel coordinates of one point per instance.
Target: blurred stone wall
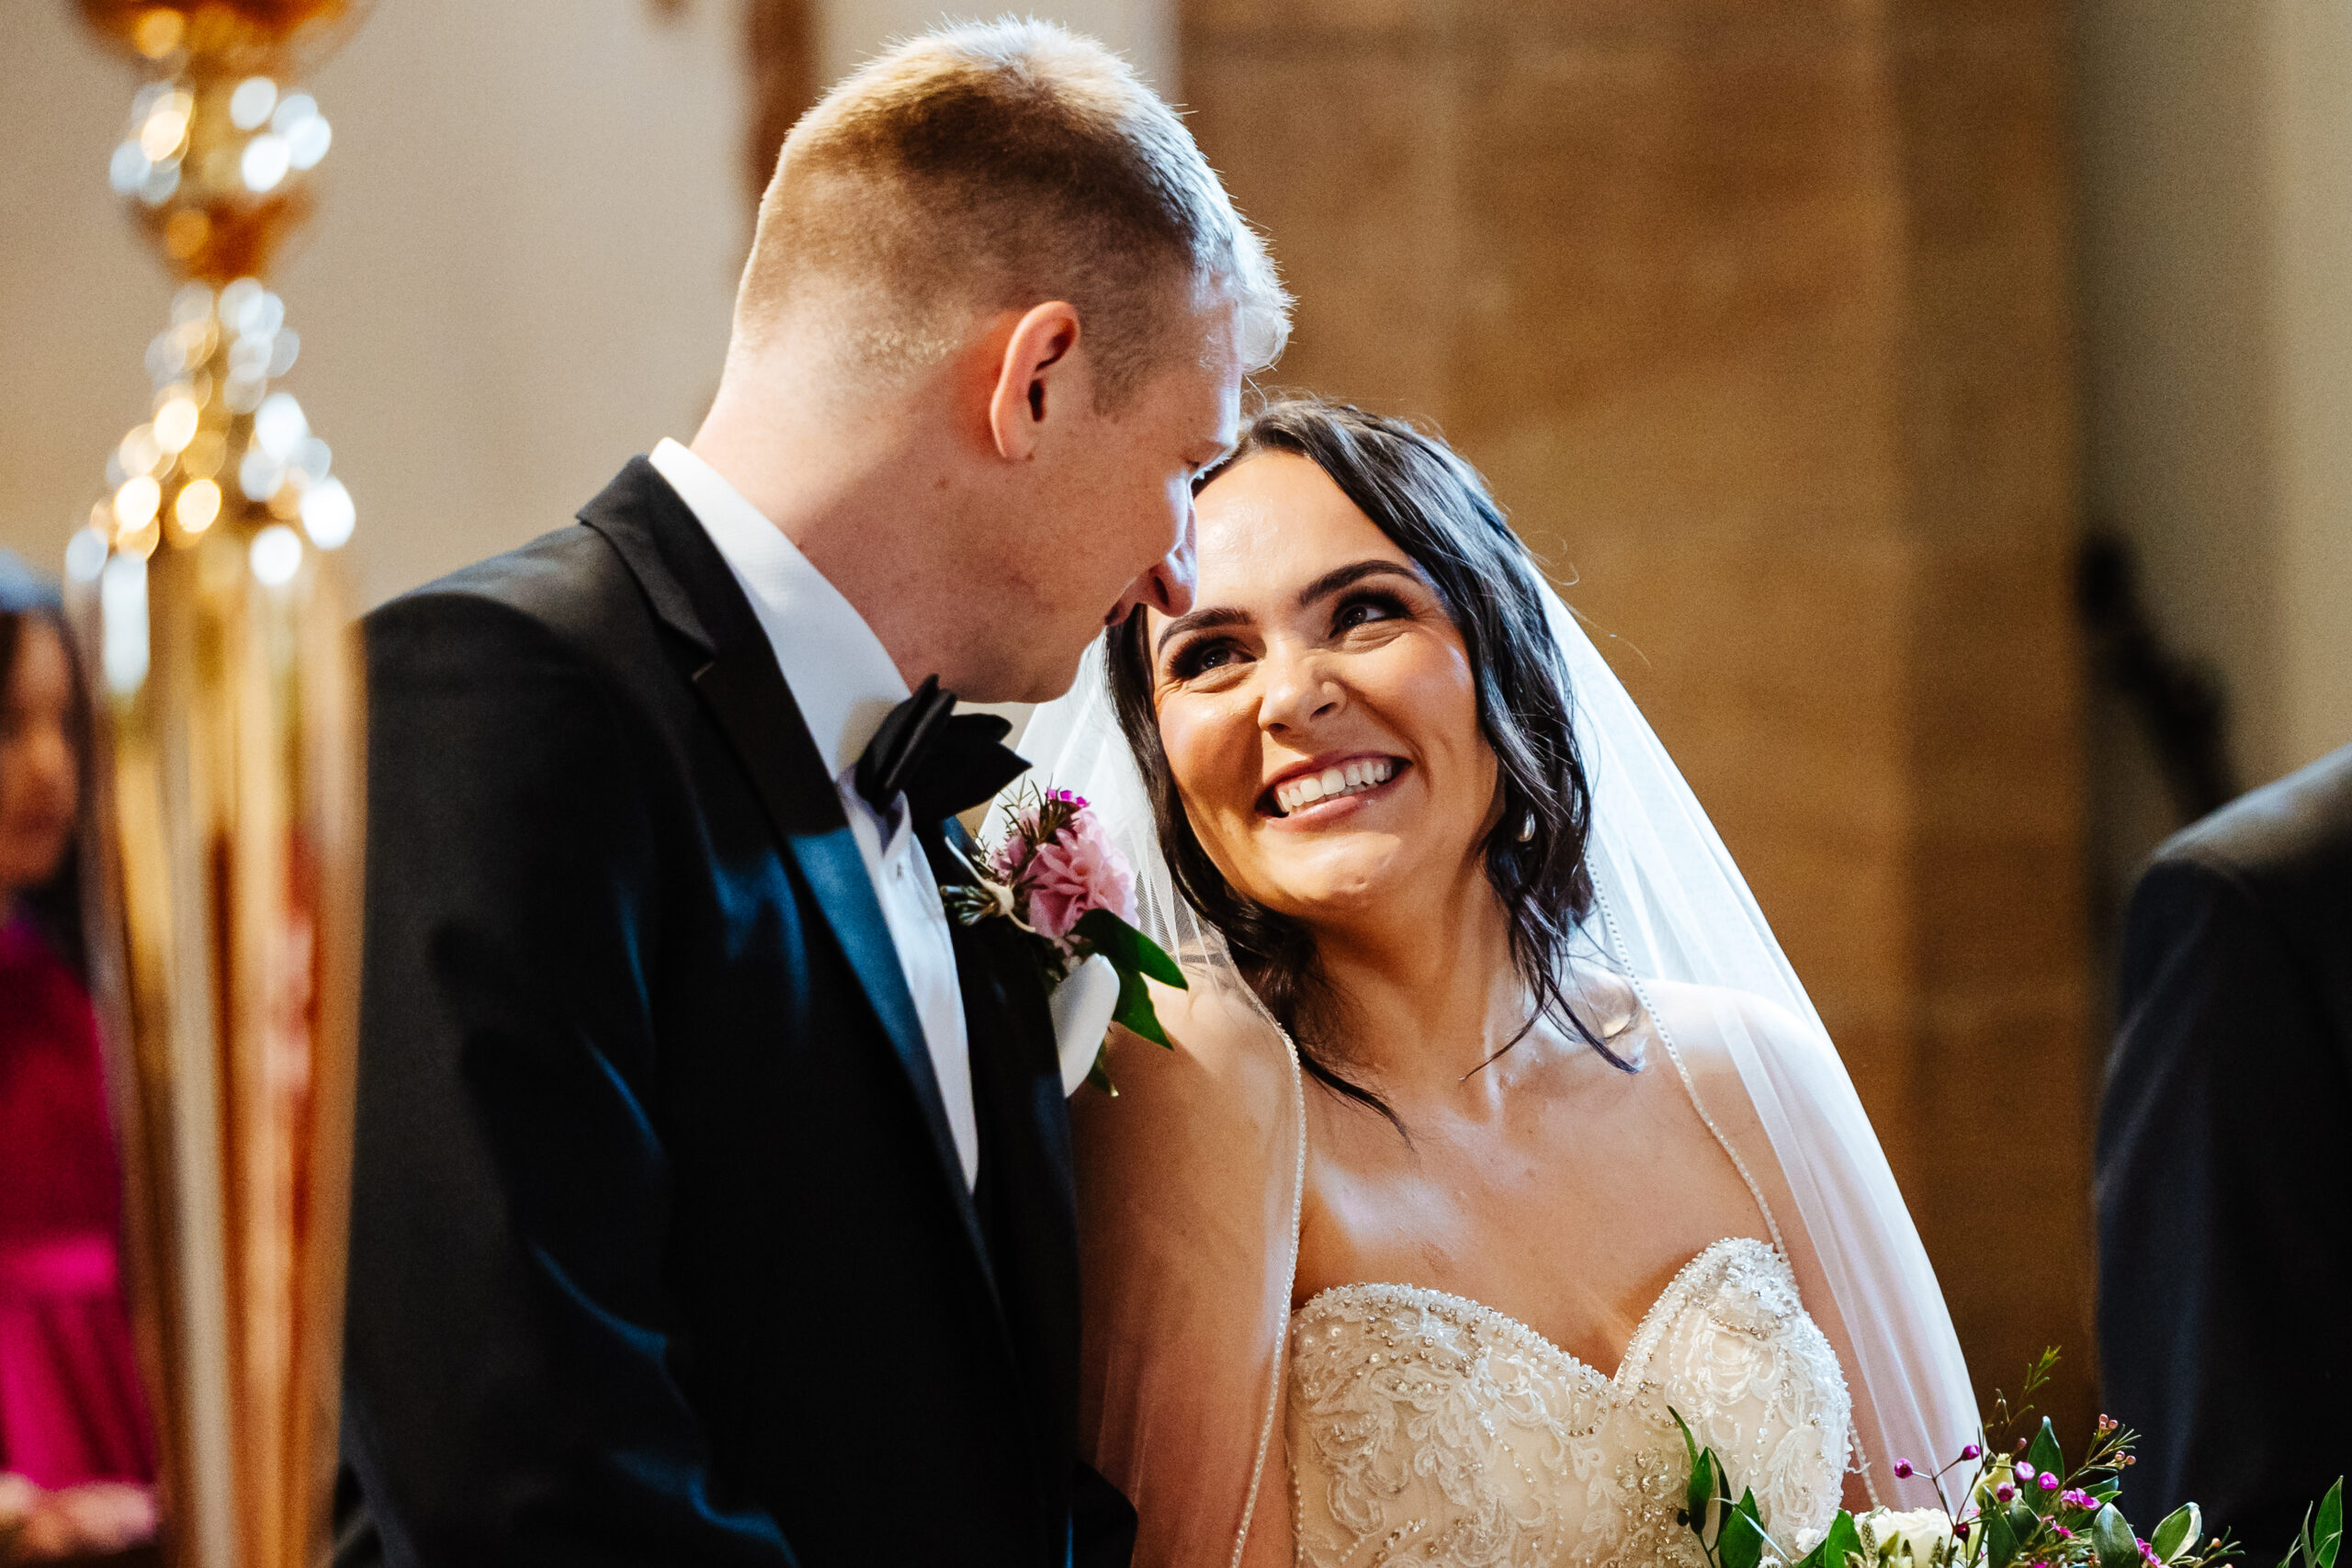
(2215, 246)
(1756, 316)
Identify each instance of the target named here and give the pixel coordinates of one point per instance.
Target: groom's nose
(1168, 586)
(1170, 582)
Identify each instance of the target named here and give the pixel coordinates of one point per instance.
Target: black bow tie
(941, 761)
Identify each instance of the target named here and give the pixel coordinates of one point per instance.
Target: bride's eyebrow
(1198, 620)
(1323, 587)
(1331, 581)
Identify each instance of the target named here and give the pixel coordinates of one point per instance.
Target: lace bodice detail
(1426, 1428)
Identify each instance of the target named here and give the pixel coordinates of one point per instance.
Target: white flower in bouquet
(1921, 1536)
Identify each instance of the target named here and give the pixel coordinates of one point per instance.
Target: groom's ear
(1035, 378)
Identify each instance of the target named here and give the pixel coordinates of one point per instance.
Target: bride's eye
(1364, 609)
(1199, 657)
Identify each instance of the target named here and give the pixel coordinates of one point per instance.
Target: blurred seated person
(74, 1437)
(2225, 1187)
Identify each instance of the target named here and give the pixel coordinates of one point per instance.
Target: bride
(1497, 1132)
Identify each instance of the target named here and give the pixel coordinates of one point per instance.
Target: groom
(712, 1201)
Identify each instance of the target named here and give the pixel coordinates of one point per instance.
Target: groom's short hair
(993, 166)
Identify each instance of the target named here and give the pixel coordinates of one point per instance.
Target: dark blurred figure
(2224, 1172)
(73, 1422)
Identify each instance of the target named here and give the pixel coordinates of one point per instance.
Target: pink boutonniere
(1058, 876)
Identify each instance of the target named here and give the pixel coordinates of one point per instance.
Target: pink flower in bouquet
(1076, 871)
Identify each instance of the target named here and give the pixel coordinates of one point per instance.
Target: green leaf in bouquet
(2105, 1489)
(2113, 1540)
(1701, 1489)
(1742, 1541)
(2045, 1454)
(2324, 1529)
(1127, 948)
(1842, 1542)
(2179, 1530)
(2001, 1542)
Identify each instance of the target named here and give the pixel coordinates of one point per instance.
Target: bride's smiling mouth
(1327, 788)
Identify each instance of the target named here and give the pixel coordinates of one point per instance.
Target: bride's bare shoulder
(1704, 1019)
(1212, 1014)
(1713, 1026)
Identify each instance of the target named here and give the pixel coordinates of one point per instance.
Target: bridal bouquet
(2027, 1509)
(1058, 876)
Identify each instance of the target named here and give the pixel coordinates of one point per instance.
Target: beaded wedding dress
(1424, 1427)
(1427, 1429)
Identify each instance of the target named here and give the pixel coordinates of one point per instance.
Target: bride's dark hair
(1435, 508)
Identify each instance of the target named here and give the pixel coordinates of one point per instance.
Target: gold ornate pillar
(215, 628)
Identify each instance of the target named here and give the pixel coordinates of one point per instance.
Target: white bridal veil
(1190, 1178)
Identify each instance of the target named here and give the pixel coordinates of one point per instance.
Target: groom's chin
(1038, 677)
(1041, 688)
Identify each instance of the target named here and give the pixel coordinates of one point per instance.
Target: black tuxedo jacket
(2224, 1181)
(660, 1250)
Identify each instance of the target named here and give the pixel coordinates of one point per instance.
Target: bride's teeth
(1361, 773)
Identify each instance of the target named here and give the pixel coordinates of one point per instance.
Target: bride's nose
(1300, 690)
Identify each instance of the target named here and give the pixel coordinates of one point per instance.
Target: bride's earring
(1527, 829)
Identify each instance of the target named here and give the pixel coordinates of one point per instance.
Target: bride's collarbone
(1572, 1222)
(1591, 1307)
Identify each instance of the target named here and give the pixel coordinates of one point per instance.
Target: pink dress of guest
(71, 1408)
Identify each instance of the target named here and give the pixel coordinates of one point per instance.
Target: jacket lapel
(691, 588)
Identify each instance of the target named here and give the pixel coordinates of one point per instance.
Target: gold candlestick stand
(214, 627)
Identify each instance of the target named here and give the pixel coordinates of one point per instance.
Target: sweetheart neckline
(1638, 1347)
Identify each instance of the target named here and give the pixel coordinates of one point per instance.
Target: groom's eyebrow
(1331, 583)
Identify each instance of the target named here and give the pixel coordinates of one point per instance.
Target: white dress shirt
(846, 684)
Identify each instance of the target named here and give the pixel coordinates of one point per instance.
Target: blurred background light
(277, 555)
(265, 162)
(250, 103)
